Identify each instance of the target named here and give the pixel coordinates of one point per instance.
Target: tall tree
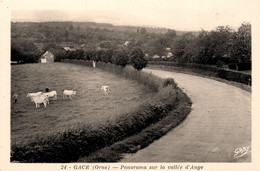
(180, 47)
(16, 54)
(241, 46)
(137, 59)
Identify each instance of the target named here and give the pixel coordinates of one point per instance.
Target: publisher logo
(239, 152)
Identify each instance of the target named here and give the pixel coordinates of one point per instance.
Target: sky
(185, 15)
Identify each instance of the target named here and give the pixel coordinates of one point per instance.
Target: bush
(169, 81)
(240, 66)
(137, 59)
(120, 58)
(232, 66)
(220, 64)
(107, 55)
(31, 58)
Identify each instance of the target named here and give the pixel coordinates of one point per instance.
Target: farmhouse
(156, 56)
(47, 57)
(69, 49)
(169, 54)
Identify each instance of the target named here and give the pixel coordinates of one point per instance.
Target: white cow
(40, 99)
(34, 94)
(46, 97)
(105, 89)
(52, 94)
(69, 93)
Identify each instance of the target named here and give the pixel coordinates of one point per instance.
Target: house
(156, 56)
(69, 49)
(47, 57)
(169, 54)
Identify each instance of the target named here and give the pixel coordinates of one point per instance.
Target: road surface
(218, 129)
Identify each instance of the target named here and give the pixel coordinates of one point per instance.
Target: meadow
(139, 109)
(90, 106)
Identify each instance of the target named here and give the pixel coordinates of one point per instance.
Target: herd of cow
(43, 98)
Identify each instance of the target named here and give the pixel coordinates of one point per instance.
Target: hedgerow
(121, 57)
(207, 70)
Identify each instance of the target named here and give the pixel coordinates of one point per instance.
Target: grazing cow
(46, 98)
(39, 100)
(69, 93)
(52, 94)
(105, 89)
(34, 94)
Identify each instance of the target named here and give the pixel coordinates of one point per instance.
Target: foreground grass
(166, 109)
(90, 105)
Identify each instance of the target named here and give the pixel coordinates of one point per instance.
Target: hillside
(86, 35)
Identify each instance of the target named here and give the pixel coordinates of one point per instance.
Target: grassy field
(90, 106)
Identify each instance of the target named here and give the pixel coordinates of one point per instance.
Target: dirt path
(219, 124)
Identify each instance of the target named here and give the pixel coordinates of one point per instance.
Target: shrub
(240, 66)
(137, 59)
(120, 58)
(107, 55)
(95, 55)
(232, 66)
(58, 56)
(220, 64)
(168, 81)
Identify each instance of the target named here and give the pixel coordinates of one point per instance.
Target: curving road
(218, 125)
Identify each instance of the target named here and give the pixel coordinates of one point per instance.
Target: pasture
(90, 106)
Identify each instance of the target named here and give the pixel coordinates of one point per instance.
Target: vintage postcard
(129, 85)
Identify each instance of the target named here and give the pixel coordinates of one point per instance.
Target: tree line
(121, 57)
(217, 47)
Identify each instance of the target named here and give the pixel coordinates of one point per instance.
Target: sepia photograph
(129, 85)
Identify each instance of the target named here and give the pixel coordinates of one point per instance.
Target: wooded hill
(79, 34)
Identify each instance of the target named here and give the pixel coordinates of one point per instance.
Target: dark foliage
(137, 59)
(120, 58)
(210, 48)
(168, 81)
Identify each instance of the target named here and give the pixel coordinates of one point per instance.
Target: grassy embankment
(126, 133)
